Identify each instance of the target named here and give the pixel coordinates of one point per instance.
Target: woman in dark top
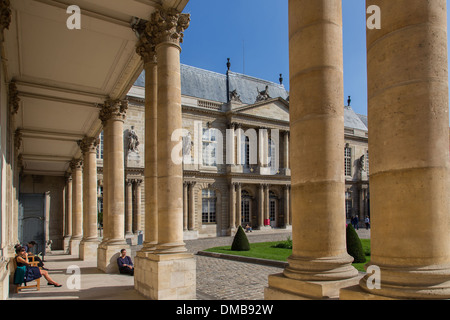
(31, 273)
(125, 264)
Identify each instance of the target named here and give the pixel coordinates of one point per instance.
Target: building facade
(236, 163)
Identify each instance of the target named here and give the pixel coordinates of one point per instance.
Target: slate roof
(209, 85)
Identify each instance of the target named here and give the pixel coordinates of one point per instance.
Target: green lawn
(266, 250)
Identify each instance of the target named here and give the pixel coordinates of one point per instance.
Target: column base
(66, 242)
(107, 254)
(284, 288)
(88, 250)
(165, 276)
(357, 293)
(74, 246)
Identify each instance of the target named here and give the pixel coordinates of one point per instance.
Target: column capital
(168, 26)
(113, 109)
(88, 145)
(146, 45)
(5, 17)
(76, 164)
(17, 139)
(13, 93)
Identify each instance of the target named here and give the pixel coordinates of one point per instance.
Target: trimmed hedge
(240, 242)
(354, 245)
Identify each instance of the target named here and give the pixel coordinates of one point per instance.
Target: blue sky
(254, 35)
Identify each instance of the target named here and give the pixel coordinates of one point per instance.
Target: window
(348, 204)
(272, 207)
(208, 206)
(100, 147)
(209, 139)
(348, 161)
(272, 160)
(245, 207)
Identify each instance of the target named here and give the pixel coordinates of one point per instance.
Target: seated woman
(29, 272)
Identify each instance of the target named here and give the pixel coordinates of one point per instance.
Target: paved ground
(217, 279)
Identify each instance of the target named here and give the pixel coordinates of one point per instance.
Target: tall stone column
(77, 206)
(68, 218)
(113, 115)
(232, 208)
(168, 272)
(90, 241)
(185, 205)
(319, 264)
(261, 206)
(129, 209)
(409, 164)
(287, 163)
(287, 203)
(238, 205)
(191, 216)
(138, 206)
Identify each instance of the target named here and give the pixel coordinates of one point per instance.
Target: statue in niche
(133, 141)
(263, 95)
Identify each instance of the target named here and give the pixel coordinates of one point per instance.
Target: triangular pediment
(274, 109)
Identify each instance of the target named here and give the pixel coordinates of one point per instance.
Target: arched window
(209, 201)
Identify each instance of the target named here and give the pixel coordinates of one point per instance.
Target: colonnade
(408, 141)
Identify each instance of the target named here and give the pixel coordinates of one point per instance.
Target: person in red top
(125, 264)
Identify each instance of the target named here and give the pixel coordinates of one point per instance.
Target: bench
(19, 286)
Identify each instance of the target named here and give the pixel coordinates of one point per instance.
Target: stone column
(191, 215)
(238, 205)
(267, 205)
(232, 208)
(319, 264)
(286, 205)
(409, 153)
(287, 169)
(129, 209)
(138, 206)
(68, 218)
(113, 115)
(90, 241)
(77, 206)
(185, 205)
(261, 206)
(169, 271)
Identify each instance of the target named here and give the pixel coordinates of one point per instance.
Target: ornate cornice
(113, 109)
(88, 144)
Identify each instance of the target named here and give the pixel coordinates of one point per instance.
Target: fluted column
(89, 243)
(77, 205)
(317, 141)
(169, 257)
(408, 127)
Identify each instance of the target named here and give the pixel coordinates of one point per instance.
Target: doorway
(32, 221)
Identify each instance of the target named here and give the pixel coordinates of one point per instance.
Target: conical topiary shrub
(354, 245)
(240, 242)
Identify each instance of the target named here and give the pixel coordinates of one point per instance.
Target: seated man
(248, 228)
(125, 263)
(30, 245)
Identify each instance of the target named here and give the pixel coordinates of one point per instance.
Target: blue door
(32, 220)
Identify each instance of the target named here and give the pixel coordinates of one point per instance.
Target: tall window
(209, 200)
(272, 207)
(272, 157)
(348, 161)
(100, 147)
(348, 204)
(245, 207)
(209, 139)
